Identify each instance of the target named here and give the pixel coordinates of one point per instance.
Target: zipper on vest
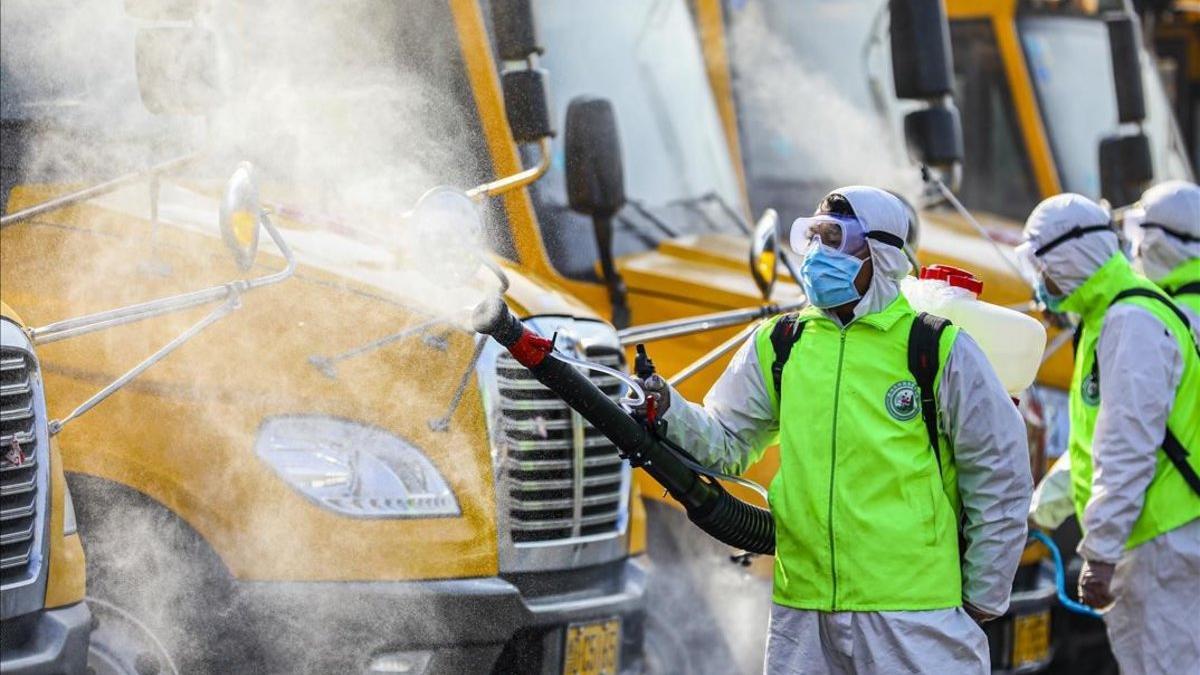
(837, 394)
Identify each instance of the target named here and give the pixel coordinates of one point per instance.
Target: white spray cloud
(804, 91)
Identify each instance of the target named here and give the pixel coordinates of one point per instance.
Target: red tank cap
(959, 278)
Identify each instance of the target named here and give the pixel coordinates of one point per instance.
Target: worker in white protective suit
(871, 490)
(1135, 438)
(1163, 230)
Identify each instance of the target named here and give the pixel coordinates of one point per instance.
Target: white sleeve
(991, 455)
(1052, 501)
(1140, 370)
(737, 422)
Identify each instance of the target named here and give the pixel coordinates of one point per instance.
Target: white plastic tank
(1013, 342)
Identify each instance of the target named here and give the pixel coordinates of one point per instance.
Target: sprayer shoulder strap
(1190, 288)
(1171, 445)
(924, 338)
(784, 336)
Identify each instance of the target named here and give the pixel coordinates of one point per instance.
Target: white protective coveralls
(1176, 204)
(730, 432)
(1153, 623)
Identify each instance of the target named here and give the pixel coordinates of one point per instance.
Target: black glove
(1095, 583)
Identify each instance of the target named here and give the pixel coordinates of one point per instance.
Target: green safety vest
(1183, 284)
(864, 518)
(1169, 502)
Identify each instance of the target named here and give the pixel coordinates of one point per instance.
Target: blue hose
(1060, 577)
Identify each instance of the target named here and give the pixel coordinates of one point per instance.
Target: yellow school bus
(342, 479)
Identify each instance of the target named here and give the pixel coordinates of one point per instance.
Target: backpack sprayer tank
(708, 505)
(1012, 342)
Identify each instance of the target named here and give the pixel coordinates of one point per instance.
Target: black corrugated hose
(707, 503)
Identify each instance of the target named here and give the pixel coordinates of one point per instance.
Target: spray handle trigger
(643, 365)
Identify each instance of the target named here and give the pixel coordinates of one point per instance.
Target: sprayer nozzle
(488, 315)
(492, 317)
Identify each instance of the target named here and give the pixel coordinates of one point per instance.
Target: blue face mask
(828, 276)
(1049, 300)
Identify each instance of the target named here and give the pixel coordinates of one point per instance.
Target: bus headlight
(353, 469)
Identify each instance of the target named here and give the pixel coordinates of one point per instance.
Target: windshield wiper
(638, 233)
(644, 212)
(712, 196)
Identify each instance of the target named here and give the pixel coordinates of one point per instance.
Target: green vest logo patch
(1089, 389)
(902, 401)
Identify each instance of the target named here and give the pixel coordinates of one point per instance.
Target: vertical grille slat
(563, 478)
(18, 466)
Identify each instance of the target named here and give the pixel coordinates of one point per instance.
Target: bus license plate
(592, 648)
(1031, 638)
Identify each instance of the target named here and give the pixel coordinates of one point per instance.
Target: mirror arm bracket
(232, 303)
(90, 323)
(713, 355)
(98, 190)
(230, 292)
(516, 180)
(665, 330)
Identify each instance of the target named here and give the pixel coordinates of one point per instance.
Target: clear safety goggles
(1029, 255)
(845, 234)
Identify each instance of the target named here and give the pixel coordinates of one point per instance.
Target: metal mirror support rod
(231, 292)
(232, 303)
(711, 357)
(146, 310)
(443, 423)
(517, 180)
(327, 364)
(664, 330)
(94, 191)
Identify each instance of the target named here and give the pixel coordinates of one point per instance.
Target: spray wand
(708, 505)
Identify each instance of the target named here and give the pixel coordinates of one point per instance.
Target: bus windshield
(352, 109)
(646, 59)
(1071, 66)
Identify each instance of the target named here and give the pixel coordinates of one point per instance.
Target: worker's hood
(880, 211)
(1164, 228)
(1075, 259)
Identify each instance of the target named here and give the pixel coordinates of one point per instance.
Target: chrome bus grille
(562, 477)
(18, 466)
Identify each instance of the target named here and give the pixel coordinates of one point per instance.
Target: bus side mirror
(515, 30)
(764, 253)
(240, 214)
(595, 172)
(934, 135)
(177, 69)
(1125, 168)
(525, 101)
(1126, 67)
(527, 105)
(921, 60)
(596, 184)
